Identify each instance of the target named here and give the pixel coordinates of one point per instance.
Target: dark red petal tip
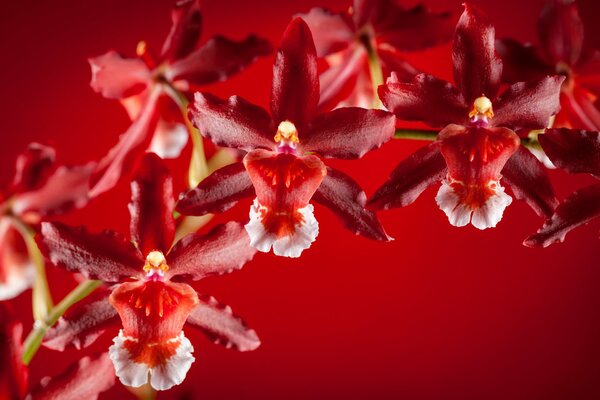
(575, 151)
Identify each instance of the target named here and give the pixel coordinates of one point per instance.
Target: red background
(440, 313)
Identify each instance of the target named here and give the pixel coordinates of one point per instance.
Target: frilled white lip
(459, 214)
(286, 246)
(161, 377)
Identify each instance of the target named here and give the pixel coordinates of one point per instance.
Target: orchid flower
(150, 295)
(561, 50)
(477, 145)
(282, 167)
(38, 189)
(574, 151)
(358, 43)
(150, 87)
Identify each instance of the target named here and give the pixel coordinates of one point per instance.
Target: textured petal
(527, 178)
(33, 167)
(427, 99)
(348, 132)
(295, 91)
(185, 31)
(578, 209)
(66, 188)
(116, 77)
(151, 208)
(218, 59)
(331, 32)
(224, 249)
(218, 192)
(528, 104)
(120, 159)
(477, 67)
(13, 374)
(521, 62)
(342, 195)
(83, 323)
(104, 256)
(219, 323)
(573, 150)
(16, 270)
(560, 31)
(411, 177)
(233, 122)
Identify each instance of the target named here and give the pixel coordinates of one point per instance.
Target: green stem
(41, 326)
(374, 69)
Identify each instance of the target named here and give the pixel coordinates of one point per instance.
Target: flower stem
(41, 326)
(374, 69)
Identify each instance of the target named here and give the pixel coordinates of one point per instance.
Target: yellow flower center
(287, 134)
(482, 107)
(155, 260)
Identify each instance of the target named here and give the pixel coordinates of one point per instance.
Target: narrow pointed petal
(332, 32)
(185, 31)
(116, 77)
(527, 178)
(560, 31)
(218, 192)
(83, 323)
(411, 177)
(528, 104)
(234, 122)
(295, 91)
(218, 59)
(16, 270)
(521, 62)
(575, 151)
(13, 373)
(66, 188)
(578, 209)
(86, 379)
(578, 111)
(106, 256)
(340, 81)
(224, 249)
(477, 67)
(120, 159)
(152, 226)
(342, 195)
(427, 99)
(348, 132)
(218, 322)
(33, 167)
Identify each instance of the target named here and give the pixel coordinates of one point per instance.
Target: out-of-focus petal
(426, 98)
(527, 178)
(13, 374)
(339, 81)
(16, 270)
(295, 91)
(218, 192)
(393, 61)
(185, 31)
(116, 77)
(477, 67)
(332, 32)
(218, 59)
(33, 167)
(588, 73)
(151, 208)
(83, 323)
(560, 31)
(411, 177)
(169, 139)
(106, 256)
(348, 132)
(224, 249)
(218, 322)
(342, 195)
(521, 62)
(234, 122)
(578, 209)
(575, 151)
(578, 111)
(528, 104)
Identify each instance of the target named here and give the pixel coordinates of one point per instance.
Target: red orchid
(149, 294)
(38, 189)
(576, 152)
(477, 145)
(84, 380)
(370, 28)
(561, 51)
(280, 166)
(148, 87)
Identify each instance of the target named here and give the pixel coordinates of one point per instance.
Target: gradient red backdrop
(440, 313)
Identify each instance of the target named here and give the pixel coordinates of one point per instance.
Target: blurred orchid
(282, 167)
(574, 151)
(477, 146)
(149, 295)
(152, 88)
(358, 43)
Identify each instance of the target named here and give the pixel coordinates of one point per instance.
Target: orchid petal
(16, 270)
(185, 31)
(13, 373)
(521, 62)
(339, 81)
(116, 77)
(33, 167)
(575, 151)
(331, 32)
(560, 31)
